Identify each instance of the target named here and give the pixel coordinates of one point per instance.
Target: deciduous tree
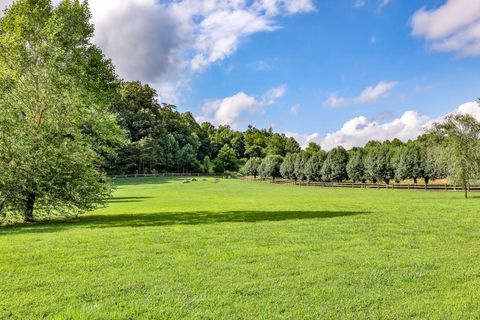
(462, 147)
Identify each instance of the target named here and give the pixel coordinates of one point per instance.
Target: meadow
(234, 249)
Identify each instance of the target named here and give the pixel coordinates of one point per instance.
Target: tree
(207, 165)
(335, 166)
(301, 159)
(226, 160)
(313, 148)
(287, 170)
(252, 166)
(291, 146)
(270, 167)
(186, 158)
(256, 142)
(410, 162)
(139, 111)
(313, 167)
(356, 166)
(378, 164)
(434, 166)
(55, 127)
(462, 147)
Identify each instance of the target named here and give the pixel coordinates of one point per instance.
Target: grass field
(245, 250)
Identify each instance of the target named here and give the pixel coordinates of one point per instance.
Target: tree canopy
(55, 125)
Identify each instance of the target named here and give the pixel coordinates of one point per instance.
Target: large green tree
(287, 170)
(270, 167)
(461, 134)
(252, 166)
(379, 164)
(226, 160)
(356, 166)
(335, 165)
(409, 162)
(55, 128)
(313, 167)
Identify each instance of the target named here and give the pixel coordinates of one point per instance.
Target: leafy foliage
(462, 147)
(251, 168)
(270, 167)
(55, 126)
(335, 165)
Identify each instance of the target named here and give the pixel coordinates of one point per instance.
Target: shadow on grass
(174, 218)
(127, 199)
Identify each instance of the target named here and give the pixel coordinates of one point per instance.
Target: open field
(243, 250)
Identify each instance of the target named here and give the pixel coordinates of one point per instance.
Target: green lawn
(245, 250)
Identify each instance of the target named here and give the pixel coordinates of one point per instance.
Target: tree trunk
(2, 206)
(427, 180)
(29, 206)
(415, 180)
(465, 191)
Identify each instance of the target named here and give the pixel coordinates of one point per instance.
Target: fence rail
(393, 186)
(344, 185)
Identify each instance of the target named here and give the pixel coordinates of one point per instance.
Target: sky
(336, 72)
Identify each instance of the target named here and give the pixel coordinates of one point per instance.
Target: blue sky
(329, 71)
(342, 49)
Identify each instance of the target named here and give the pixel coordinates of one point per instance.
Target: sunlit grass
(245, 250)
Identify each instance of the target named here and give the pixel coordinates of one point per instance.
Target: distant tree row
(451, 149)
(385, 162)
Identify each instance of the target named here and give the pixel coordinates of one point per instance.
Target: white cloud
(273, 94)
(471, 108)
(360, 4)
(369, 95)
(263, 66)
(236, 110)
(384, 3)
(452, 27)
(295, 109)
(164, 42)
(304, 139)
(358, 131)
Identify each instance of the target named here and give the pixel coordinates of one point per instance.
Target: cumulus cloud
(452, 27)
(236, 110)
(369, 95)
(358, 131)
(165, 42)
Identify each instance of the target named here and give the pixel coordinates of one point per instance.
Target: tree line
(451, 149)
(161, 139)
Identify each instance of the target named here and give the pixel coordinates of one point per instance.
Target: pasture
(244, 250)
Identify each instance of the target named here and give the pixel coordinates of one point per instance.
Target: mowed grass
(246, 250)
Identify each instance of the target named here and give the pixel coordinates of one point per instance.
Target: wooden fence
(392, 186)
(345, 185)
